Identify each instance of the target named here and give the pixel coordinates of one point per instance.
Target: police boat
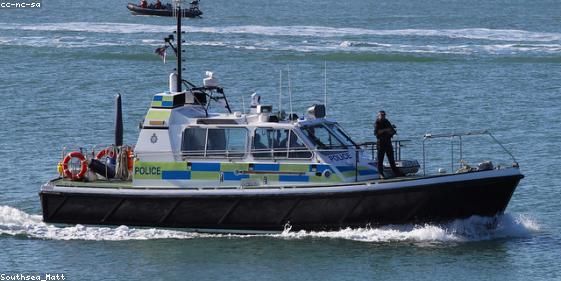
(166, 10)
(211, 169)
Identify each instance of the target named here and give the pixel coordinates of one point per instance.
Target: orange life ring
(83, 168)
(110, 152)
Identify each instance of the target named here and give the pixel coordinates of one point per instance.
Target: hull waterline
(411, 201)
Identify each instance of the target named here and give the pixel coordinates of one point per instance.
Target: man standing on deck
(384, 131)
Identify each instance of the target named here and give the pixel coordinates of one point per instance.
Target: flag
(162, 52)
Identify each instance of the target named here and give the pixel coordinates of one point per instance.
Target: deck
(63, 182)
(98, 184)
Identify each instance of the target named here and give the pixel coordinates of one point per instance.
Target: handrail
(397, 145)
(428, 136)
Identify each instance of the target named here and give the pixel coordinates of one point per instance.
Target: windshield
(322, 138)
(340, 133)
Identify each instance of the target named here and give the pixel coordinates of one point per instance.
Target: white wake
(465, 230)
(18, 223)
(14, 222)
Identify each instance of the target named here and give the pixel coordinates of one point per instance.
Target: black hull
(271, 212)
(188, 13)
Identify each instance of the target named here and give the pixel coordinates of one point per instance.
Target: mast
(325, 86)
(289, 91)
(179, 78)
(118, 121)
(280, 92)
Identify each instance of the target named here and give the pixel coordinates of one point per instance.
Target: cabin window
(263, 140)
(194, 140)
(236, 140)
(322, 138)
(278, 144)
(214, 142)
(297, 148)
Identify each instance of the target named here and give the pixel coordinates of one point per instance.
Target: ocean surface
(434, 66)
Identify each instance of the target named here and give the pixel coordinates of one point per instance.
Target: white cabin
(183, 144)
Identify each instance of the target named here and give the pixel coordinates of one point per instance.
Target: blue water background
(434, 66)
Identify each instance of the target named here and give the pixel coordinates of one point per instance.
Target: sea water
(433, 66)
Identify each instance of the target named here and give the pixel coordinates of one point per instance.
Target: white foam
(311, 31)
(472, 229)
(118, 28)
(381, 48)
(72, 42)
(18, 223)
(15, 222)
(347, 44)
(305, 46)
(496, 49)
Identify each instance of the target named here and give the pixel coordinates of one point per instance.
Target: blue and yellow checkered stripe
(350, 171)
(234, 171)
(162, 101)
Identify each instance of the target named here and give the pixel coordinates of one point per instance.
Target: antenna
(243, 105)
(280, 92)
(289, 91)
(325, 86)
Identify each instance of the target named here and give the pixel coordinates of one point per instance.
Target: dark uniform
(384, 132)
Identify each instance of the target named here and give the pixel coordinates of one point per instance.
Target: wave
(309, 31)
(348, 44)
(452, 49)
(512, 59)
(363, 57)
(307, 46)
(14, 222)
(72, 42)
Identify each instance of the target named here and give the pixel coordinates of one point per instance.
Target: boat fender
(102, 169)
(130, 159)
(59, 169)
(83, 166)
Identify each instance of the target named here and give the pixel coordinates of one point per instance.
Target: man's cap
(382, 112)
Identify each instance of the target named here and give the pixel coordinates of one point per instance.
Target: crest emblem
(154, 138)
